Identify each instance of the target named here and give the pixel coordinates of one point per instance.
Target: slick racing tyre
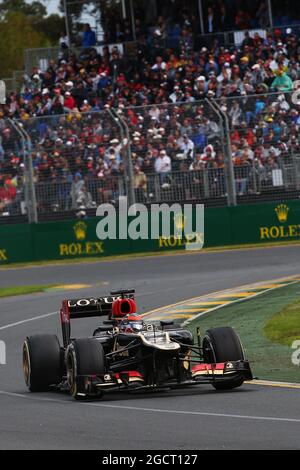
(84, 357)
(42, 365)
(224, 345)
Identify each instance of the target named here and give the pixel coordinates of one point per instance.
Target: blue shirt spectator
(89, 36)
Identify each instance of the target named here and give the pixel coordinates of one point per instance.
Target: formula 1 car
(126, 353)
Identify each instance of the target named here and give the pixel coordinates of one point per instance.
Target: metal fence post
(26, 192)
(29, 188)
(128, 163)
(116, 119)
(229, 170)
(32, 195)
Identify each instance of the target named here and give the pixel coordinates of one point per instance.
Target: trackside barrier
(257, 223)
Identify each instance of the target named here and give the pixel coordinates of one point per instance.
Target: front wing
(134, 381)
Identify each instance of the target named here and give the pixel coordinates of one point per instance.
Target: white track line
(40, 317)
(155, 410)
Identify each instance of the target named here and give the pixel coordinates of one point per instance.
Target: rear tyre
(224, 345)
(42, 365)
(83, 357)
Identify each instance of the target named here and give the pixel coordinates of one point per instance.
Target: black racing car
(127, 353)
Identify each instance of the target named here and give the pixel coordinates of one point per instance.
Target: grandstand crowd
(174, 134)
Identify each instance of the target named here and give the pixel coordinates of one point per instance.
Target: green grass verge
(267, 326)
(23, 290)
(148, 255)
(284, 328)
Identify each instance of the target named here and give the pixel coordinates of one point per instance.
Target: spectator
(160, 93)
(88, 37)
(140, 184)
(242, 20)
(224, 23)
(211, 25)
(76, 191)
(8, 194)
(84, 198)
(282, 82)
(163, 165)
(263, 15)
(64, 40)
(235, 113)
(187, 146)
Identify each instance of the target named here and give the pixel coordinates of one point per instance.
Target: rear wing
(89, 308)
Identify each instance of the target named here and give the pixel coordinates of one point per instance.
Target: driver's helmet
(132, 324)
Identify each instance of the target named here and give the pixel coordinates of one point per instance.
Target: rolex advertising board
(257, 223)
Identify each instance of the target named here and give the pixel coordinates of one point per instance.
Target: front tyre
(84, 357)
(224, 345)
(42, 365)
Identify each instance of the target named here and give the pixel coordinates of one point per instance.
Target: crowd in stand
(77, 147)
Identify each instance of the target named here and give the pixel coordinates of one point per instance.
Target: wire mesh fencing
(173, 152)
(13, 203)
(78, 160)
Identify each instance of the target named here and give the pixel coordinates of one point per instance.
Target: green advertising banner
(16, 243)
(257, 223)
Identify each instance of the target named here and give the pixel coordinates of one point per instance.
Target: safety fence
(223, 151)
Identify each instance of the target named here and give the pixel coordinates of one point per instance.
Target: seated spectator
(282, 82)
(160, 93)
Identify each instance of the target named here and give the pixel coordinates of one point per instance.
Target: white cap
(45, 91)
(69, 83)
(201, 78)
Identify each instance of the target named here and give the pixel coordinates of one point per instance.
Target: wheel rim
(71, 374)
(26, 364)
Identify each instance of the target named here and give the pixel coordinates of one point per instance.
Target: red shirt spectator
(8, 192)
(69, 102)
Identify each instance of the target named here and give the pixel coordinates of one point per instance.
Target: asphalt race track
(198, 418)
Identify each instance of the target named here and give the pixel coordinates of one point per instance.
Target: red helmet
(123, 307)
